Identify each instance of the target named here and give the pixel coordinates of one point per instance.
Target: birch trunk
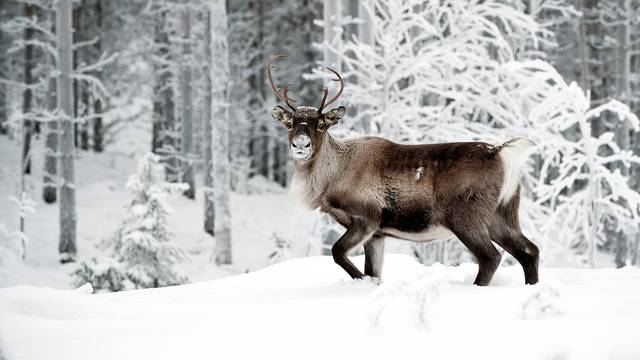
(67, 244)
(219, 72)
(187, 104)
(209, 208)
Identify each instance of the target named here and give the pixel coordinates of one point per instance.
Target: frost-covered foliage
(13, 244)
(433, 71)
(580, 181)
(18, 240)
(103, 273)
(141, 250)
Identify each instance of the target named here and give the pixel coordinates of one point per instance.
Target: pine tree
(141, 253)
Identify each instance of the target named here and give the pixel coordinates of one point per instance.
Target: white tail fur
(514, 154)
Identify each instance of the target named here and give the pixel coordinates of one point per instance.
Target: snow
(307, 308)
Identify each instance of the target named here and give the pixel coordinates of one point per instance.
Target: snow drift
(307, 308)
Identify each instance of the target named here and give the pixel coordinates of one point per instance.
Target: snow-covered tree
(580, 178)
(431, 71)
(13, 244)
(141, 253)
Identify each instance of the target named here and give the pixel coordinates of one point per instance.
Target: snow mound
(51, 303)
(309, 308)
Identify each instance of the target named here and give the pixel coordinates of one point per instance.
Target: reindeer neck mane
(310, 179)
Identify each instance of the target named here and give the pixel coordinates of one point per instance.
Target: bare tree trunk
(220, 133)
(75, 18)
(27, 96)
(594, 42)
(163, 128)
(332, 16)
(4, 88)
(623, 90)
(158, 86)
(259, 143)
(365, 34)
(583, 50)
(98, 128)
(50, 189)
(209, 208)
(167, 116)
(84, 127)
(67, 244)
(187, 105)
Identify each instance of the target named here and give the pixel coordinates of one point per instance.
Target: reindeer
(376, 188)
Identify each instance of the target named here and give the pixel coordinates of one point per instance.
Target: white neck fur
(310, 180)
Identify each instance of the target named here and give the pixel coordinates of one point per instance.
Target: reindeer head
(307, 125)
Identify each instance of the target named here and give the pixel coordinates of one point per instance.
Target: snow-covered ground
(308, 309)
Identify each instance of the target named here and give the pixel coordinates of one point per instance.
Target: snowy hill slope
(306, 308)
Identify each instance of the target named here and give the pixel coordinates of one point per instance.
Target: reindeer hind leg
(476, 239)
(505, 231)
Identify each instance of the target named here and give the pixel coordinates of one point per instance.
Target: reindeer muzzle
(301, 148)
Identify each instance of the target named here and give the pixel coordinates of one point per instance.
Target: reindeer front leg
(356, 234)
(374, 256)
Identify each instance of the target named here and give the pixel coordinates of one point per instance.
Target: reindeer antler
(281, 94)
(326, 91)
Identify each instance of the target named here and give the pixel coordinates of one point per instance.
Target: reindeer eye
(289, 125)
(321, 126)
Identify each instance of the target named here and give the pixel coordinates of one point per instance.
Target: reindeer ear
(280, 114)
(334, 115)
